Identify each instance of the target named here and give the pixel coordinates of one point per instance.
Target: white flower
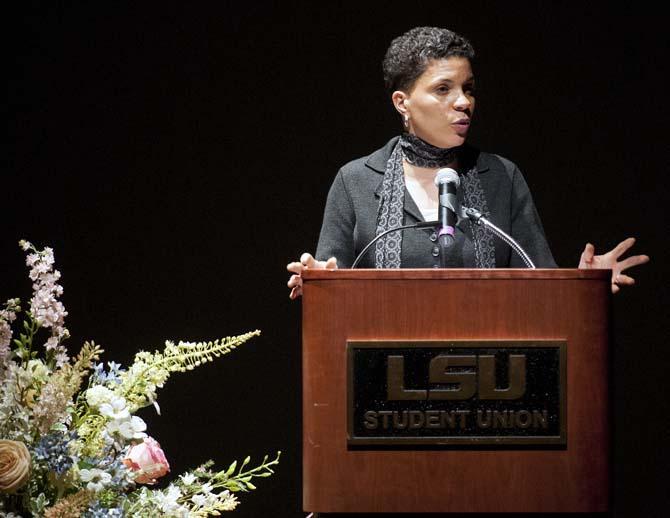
(229, 501)
(7, 316)
(5, 339)
(44, 306)
(97, 479)
(226, 500)
(31, 259)
(200, 500)
(61, 357)
(38, 370)
(188, 479)
(205, 498)
(51, 343)
(98, 395)
(48, 255)
(115, 409)
(132, 428)
(167, 501)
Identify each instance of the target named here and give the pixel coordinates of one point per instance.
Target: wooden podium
(566, 308)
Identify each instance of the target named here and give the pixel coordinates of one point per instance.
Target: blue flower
(98, 375)
(114, 371)
(113, 464)
(53, 450)
(97, 511)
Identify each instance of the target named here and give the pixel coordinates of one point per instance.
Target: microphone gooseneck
(420, 224)
(477, 218)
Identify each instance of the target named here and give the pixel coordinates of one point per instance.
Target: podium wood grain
(343, 305)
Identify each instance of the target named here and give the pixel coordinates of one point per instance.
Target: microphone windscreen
(447, 175)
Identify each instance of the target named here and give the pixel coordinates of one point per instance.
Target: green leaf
(38, 504)
(233, 486)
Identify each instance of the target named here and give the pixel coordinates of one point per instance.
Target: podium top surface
(457, 273)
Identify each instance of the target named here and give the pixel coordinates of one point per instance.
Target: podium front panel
(569, 307)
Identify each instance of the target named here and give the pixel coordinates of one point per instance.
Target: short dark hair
(408, 55)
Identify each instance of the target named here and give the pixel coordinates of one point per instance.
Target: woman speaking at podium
(428, 75)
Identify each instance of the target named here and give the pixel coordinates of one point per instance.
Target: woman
(429, 77)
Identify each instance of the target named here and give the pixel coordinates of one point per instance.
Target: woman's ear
(401, 102)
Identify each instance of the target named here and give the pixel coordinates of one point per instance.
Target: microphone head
(447, 175)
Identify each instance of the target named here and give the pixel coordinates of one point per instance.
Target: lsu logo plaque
(441, 393)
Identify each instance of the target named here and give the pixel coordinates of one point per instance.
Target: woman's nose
(462, 102)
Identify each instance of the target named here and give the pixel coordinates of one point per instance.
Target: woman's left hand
(610, 260)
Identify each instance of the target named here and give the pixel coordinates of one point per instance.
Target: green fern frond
(188, 355)
(150, 371)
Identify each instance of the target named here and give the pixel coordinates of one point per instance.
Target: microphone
(447, 181)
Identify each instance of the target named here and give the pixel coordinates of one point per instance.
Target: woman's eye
(468, 89)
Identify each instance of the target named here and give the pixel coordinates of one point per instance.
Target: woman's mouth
(461, 126)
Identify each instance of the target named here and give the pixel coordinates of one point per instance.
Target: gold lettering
(395, 382)
(540, 419)
(523, 419)
(371, 422)
(447, 418)
(416, 419)
(487, 378)
(385, 414)
(466, 380)
(481, 422)
(397, 424)
(462, 421)
(501, 419)
(432, 419)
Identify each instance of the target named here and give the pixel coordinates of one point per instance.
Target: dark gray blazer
(350, 217)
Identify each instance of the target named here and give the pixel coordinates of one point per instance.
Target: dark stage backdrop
(177, 158)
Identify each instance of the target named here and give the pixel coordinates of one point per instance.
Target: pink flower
(148, 461)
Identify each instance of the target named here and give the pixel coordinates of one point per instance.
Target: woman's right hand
(296, 268)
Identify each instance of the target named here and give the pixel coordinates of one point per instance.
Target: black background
(177, 157)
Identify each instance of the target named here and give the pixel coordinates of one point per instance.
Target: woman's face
(441, 102)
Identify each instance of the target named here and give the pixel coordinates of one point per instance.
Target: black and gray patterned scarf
(392, 202)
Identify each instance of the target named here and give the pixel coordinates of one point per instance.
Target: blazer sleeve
(526, 226)
(337, 231)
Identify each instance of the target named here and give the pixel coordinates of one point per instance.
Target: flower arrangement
(70, 442)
